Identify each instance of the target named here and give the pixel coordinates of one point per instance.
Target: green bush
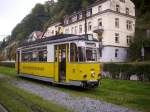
(8, 64)
(125, 70)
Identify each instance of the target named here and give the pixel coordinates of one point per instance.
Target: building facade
(112, 22)
(54, 29)
(35, 35)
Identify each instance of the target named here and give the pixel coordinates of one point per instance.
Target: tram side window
(73, 53)
(27, 56)
(34, 56)
(42, 55)
(81, 52)
(56, 53)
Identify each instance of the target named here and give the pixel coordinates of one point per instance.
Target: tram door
(18, 62)
(60, 62)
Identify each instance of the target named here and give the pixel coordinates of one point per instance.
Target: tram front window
(91, 54)
(88, 54)
(81, 51)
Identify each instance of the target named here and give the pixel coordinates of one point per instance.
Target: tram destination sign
(89, 44)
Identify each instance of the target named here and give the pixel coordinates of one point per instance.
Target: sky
(12, 12)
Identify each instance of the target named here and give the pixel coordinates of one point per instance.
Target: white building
(110, 21)
(54, 29)
(35, 35)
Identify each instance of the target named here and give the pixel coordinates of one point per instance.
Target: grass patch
(132, 94)
(17, 100)
(7, 71)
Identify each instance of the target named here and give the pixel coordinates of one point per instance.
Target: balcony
(98, 29)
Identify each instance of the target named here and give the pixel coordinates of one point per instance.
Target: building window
(127, 11)
(75, 30)
(129, 25)
(72, 30)
(100, 22)
(129, 39)
(66, 21)
(116, 37)
(117, 8)
(70, 20)
(80, 16)
(52, 32)
(67, 31)
(99, 8)
(89, 13)
(117, 22)
(80, 29)
(74, 18)
(89, 26)
(122, 1)
(116, 52)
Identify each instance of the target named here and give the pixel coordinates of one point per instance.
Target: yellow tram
(63, 59)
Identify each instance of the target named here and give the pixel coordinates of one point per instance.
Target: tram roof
(58, 39)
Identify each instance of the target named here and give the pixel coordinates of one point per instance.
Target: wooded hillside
(44, 14)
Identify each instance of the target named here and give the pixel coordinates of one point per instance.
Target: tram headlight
(99, 75)
(85, 76)
(92, 74)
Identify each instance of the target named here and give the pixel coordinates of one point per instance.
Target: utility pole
(85, 18)
(85, 5)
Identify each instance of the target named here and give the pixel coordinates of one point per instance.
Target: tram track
(69, 101)
(75, 103)
(13, 99)
(3, 109)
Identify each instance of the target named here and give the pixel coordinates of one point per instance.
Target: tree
(3, 44)
(42, 16)
(32, 22)
(142, 23)
(140, 40)
(1, 56)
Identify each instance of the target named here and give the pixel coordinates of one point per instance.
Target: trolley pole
(85, 18)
